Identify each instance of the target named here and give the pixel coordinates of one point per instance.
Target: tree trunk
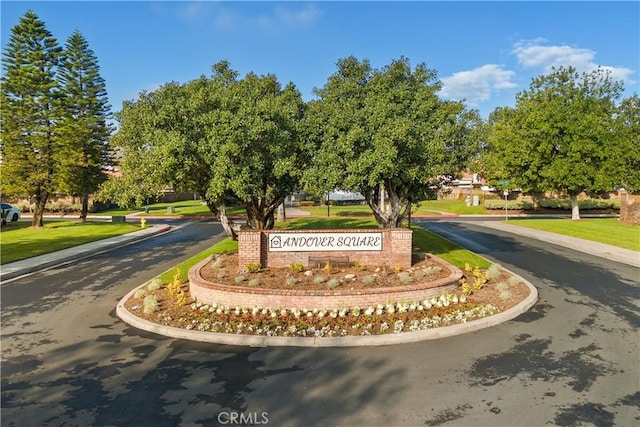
(38, 214)
(390, 217)
(85, 207)
(261, 216)
(575, 209)
(220, 212)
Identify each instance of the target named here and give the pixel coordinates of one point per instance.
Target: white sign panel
(315, 242)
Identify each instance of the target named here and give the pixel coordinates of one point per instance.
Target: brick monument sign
(314, 248)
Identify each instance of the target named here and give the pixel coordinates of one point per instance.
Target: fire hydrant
(143, 222)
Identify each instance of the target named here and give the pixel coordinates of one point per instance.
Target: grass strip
(225, 246)
(19, 241)
(604, 230)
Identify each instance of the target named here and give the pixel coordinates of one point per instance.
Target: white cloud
(536, 54)
(225, 17)
(477, 85)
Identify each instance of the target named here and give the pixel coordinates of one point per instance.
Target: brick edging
(243, 296)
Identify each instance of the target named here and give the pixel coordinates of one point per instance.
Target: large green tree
(386, 134)
(560, 136)
(85, 152)
(626, 164)
(30, 113)
(229, 139)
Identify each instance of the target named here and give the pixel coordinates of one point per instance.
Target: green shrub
(140, 293)
(150, 304)
(297, 267)
(511, 204)
(291, 281)
(369, 280)
(333, 283)
(307, 203)
(513, 280)
(493, 272)
(319, 279)
(254, 283)
(154, 284)
(216, 263)
(239, 279)
(221, 274)
(405, 278)
(253, 267)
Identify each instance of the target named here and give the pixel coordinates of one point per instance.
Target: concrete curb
(77, 253)
(614, 253)
(355, 341)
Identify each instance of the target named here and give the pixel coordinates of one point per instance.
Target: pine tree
(30, 112)
(85, 128)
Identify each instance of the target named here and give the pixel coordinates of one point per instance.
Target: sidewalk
(614, 253)
(76, 253)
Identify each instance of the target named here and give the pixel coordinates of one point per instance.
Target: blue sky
(483, 52)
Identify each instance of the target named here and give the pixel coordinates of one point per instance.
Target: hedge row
(585, 204)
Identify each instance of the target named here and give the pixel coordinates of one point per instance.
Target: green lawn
(182, 208)
(451, 206)
(425, 207)
(603, 230)
(19, 241)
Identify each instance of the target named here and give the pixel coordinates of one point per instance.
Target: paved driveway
(572, 360)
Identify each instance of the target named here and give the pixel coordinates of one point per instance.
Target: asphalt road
(572, 360)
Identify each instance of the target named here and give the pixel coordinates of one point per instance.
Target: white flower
(427, 304)
(369, 311)
(455, 299)
(309, 314)
(379, 311)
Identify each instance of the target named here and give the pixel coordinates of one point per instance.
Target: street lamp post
(506, 209)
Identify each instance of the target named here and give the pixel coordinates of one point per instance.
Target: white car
(10, 213)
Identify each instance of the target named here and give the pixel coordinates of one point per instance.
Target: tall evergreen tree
(30, 112)
(85, 152)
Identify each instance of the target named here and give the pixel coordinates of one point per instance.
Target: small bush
(493, 272)
(511, 204)
(254, 283)
(513, 280)
(307, 203)
(154, 284)
(140, 293)
(150, 304)
(291, 281)
(319, 279)
(216, 263)
(419, 274)
(239, 279)
(253, 267)
(297, 267)
(505, 295)
(369, 280)
(333, 283)
(221, 274)
(405, 278)
(174, 288)
(502, 286)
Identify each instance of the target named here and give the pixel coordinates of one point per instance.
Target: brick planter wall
(629, 208)
(246, 297)
(396, 249)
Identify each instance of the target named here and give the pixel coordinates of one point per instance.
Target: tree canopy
(31, 109)
(54, 112)
(560, 136)
(85, 152)
(385, 132)
(227, 138)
